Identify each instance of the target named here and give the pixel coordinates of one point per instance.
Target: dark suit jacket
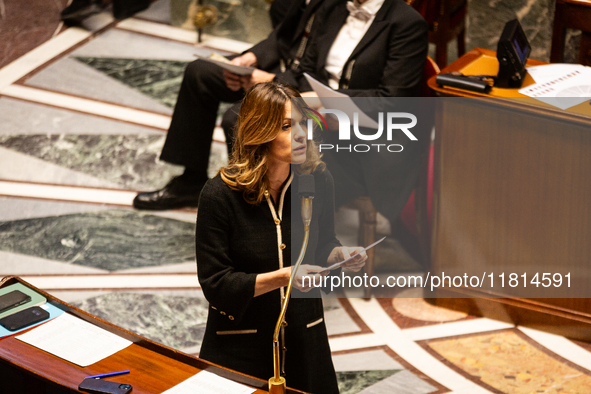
(284, 40)
(278, 11)
(235, 241)
(387, 62)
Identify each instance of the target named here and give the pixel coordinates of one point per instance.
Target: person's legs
(80, 9)
(188, 142)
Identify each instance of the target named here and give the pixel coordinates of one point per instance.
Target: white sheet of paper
(74, 340)
(208, 383)
(345, 103)
(340, 264)
(238, 70)
(548, 72)
(560, 85)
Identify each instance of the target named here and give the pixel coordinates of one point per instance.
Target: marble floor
(83, 116)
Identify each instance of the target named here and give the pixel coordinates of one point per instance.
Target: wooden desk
(154, 367)
(479, 61)
(511, 192)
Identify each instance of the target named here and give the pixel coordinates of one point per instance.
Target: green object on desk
(36, 298)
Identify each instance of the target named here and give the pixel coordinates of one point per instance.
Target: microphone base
(277, 386)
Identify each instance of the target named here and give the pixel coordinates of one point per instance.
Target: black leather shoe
(176, 194)
(80, 9)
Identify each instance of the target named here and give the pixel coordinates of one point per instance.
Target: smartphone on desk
(24, 318)
(98, 386)
(13, 299)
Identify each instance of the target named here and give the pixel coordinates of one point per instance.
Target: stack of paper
(208, 383)
(343, 102)
(560, 85)
(74, 340)
(224, 63)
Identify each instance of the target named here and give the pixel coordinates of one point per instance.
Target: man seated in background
(373, 48)
(366, 48)
(204, 86)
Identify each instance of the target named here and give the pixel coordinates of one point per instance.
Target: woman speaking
(244, 246)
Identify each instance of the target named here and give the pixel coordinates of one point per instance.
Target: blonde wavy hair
(259, 122)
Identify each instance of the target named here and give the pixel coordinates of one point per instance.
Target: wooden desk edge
(463, 62)
(138, 340)
(511, 103)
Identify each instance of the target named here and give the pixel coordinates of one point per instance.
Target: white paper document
(341, 263)
(74, 340)
(560, 85)
(225, 63)
(344, 102)
(208, 383)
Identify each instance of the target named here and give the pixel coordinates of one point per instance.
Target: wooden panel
(571, 14)
(537, 314)
(512, 190)
(576, 14)
(512, 193)
(154, 367)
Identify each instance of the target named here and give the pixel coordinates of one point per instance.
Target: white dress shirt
(349, 36)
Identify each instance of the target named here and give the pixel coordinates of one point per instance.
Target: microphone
(306, 190)
(306, 187)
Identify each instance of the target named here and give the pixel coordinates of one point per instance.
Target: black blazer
(283, 42)
(235, 241)
(387, 62)
(278, 11)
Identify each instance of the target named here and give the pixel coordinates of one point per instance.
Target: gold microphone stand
(277, 382)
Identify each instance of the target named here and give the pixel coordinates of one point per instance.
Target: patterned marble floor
(82, 120)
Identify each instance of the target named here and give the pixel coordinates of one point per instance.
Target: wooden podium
(154, 368)
(512, 191)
